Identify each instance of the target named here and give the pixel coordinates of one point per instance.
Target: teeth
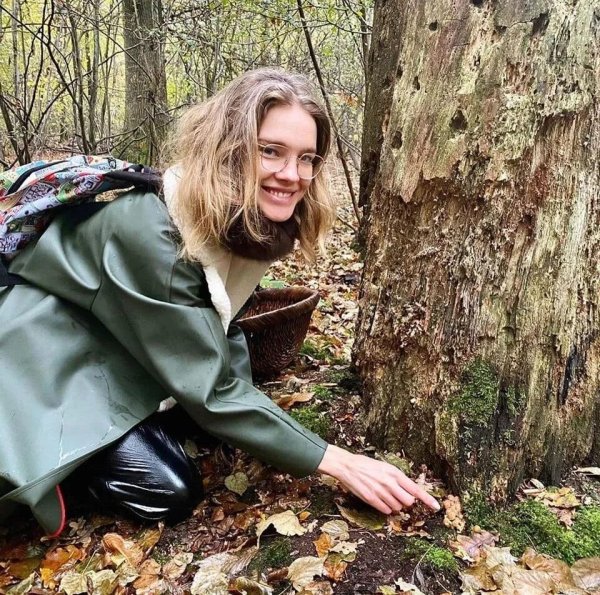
(279, 194)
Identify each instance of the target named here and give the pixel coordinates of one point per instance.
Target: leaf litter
(335, 546)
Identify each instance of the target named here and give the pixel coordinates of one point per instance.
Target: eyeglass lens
(274, 158)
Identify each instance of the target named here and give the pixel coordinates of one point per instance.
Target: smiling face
(280, 192)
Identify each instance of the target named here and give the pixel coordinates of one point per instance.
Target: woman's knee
(148, 474)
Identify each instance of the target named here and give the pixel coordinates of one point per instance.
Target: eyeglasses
(274, 158)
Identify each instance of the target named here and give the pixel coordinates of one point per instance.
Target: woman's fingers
(380, 484)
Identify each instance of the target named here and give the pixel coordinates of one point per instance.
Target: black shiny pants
(146, 473)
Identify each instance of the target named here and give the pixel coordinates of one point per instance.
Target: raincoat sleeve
(123, 265)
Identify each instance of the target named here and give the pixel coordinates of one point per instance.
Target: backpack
(32, 194)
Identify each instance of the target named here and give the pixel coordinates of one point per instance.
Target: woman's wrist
(332, 460)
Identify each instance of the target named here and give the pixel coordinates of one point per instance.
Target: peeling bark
(482, 182)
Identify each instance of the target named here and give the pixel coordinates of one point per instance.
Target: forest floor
(259, 531)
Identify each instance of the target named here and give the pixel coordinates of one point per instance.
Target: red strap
(63, 513)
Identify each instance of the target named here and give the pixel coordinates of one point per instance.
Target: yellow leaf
(303, 570)
(287, 401)
(335, 567)
(249, 587)
(336, 529)
(285, 523)
(238, 483)
(367, 519)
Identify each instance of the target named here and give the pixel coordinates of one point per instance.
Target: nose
(289, 172)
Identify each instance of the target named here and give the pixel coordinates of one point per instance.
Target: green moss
(429, 555)
(478, 399)
(312, 419)
(315, 351)
(275, 554)
(530, 523)
(322, 392)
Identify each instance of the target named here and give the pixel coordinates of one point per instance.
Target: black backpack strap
(9, 279)
(17, 183)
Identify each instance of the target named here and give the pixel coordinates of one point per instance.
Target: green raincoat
(113, 323)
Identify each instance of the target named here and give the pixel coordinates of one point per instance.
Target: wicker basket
(275, 325)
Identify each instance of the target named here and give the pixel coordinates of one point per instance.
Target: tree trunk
(146, 115)
(478, 337)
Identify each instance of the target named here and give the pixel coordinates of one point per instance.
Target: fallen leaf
(589, 471)
(210, 578)
(557, 569)
(249, 587)
(408, 587)
(303, 570)
(23, 587)
(148, 538)
(317, 588)
(454, 518)
(285, 523)
(115, 544)
(238, 483)
(586, 573)
(470, 548)
(345, 547)
(564, 515)
(528, 582)
(562, 498)
(323, 544)
(59, 556)
(337, 529)
(238, 562)
(386, 590)
(149, 579)
(287, 401)
(367, 519)
(101, 582)
(477, 579)
(335, 567)
(176, 567)
(191, 449)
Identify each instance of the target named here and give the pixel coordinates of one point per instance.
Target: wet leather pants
(146, 473)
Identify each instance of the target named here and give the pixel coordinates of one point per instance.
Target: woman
(134, 304)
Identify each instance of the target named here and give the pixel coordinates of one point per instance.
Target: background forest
(109, 76)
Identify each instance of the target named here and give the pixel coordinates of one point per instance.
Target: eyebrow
(264, 141)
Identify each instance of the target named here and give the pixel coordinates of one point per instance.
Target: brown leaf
(149, 577)
(470, 548)
(59, 556)
(477, 579)
(115, 544)
(586, 573)
(317, 588)
(176, 567)
(287, 401)
(557, 569)
(335, 567)
(323, 544)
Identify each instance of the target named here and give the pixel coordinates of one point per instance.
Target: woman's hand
(379, 484)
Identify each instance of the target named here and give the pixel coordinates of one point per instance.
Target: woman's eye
(270, 152)
(307, 158)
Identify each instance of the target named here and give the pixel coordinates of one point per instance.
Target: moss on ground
(312, 419)
(322, 392)
(532, 524)
(275, 554)
(431, 556)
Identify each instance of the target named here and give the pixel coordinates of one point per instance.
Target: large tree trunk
(146, 115)
(478, 339)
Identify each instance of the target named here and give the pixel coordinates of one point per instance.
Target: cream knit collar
(231, 278)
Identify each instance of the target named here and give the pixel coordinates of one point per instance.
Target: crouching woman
(135, 304)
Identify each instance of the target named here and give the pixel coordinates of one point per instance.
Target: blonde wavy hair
(215, 145)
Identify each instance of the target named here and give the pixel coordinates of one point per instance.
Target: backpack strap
(79, 214)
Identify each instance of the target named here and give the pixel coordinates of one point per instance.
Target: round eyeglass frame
(267, 163)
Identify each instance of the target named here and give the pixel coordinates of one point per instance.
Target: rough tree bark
(146, 114)
(478, 338)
